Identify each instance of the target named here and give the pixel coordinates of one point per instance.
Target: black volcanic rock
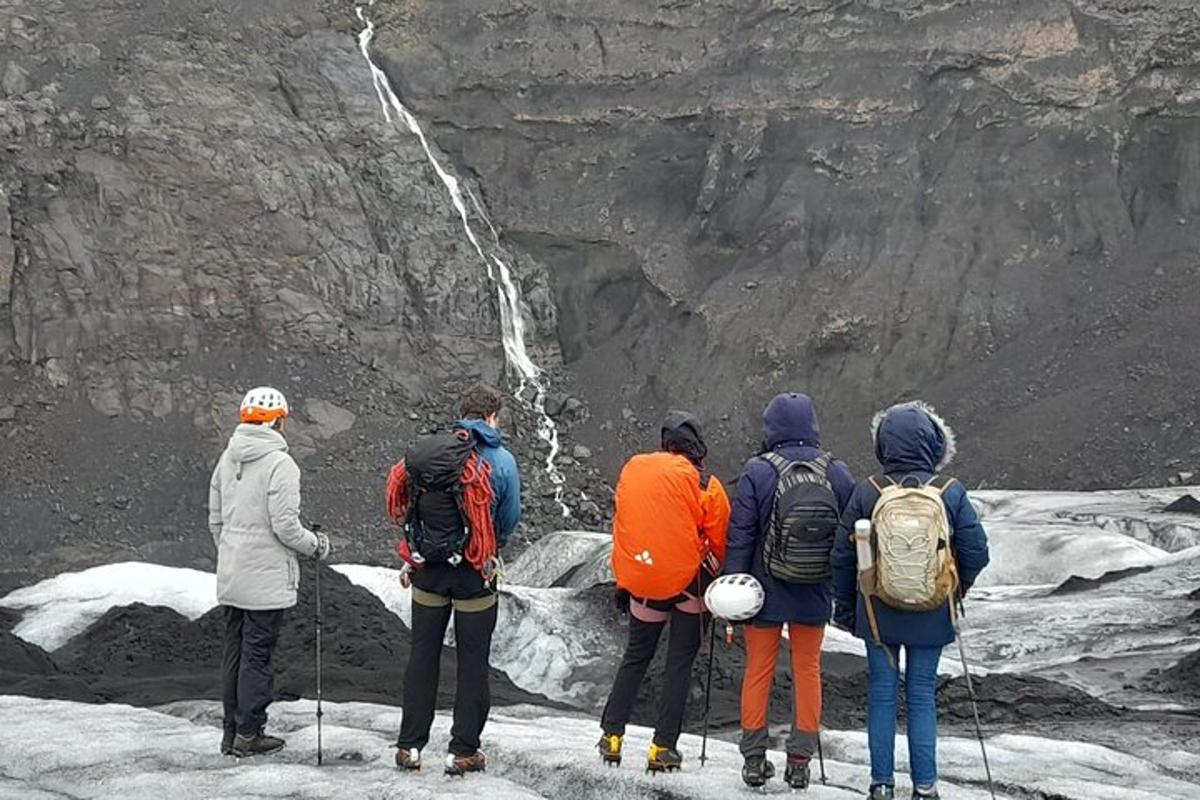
(1075, 583)
(1184, 505)
(1184, 677)
(149, 655)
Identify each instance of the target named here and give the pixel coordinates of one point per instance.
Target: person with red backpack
(668, 544)
(908, 548)
(785, 515)
(457, 495)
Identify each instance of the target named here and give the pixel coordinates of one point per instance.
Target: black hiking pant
(682, 647)
(439, 592)
(248, 679)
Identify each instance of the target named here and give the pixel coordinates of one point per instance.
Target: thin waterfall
(508, 293)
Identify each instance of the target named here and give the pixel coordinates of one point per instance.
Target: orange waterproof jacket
(665, 525)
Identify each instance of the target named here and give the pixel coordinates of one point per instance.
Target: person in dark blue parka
(790, 428)
(910, 440)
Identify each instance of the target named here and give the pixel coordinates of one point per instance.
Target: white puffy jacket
(254, 516)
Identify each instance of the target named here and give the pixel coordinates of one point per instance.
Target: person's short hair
(480, 402)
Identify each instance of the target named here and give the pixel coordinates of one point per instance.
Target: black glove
(621, 600)
(844, 616)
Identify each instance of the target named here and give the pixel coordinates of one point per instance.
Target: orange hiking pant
(762, 650)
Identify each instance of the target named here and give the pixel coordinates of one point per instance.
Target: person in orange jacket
(668, 544)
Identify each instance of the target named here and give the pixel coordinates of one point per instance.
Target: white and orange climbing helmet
(264, 405)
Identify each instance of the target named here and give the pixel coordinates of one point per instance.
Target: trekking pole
(821, 759)
(962, 653)
(320, 712)
(712, 622)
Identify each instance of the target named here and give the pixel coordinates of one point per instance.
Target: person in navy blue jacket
(910, 440)
(790, 428)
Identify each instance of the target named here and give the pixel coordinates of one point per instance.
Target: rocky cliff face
(987, 204)
(195, 199)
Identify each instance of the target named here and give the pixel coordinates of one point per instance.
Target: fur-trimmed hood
(911, 437)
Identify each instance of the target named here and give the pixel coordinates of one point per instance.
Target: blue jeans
(920, 681)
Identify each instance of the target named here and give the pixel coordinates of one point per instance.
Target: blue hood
(790, 418)
(486, 434)
(911, 437)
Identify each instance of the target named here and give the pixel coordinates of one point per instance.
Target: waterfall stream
(512, 317)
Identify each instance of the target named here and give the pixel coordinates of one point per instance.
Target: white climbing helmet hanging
(734, 598)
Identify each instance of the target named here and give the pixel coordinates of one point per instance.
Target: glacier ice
(56, 609)
(139, 754)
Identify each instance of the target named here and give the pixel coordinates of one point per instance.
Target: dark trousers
(682, 646)
(248, 684)
(473, 698)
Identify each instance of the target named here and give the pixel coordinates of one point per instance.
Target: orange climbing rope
(478, 497)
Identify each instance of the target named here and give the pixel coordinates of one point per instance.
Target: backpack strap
(778, 462)
(865, 581)
(876, 481)
(941, 483)
(820, 466)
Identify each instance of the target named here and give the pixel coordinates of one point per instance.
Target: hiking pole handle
(315, 527)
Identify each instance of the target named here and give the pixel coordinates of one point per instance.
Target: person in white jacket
(254, 517)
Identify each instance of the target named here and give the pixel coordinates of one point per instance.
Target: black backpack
(437, 521)
(804, 522)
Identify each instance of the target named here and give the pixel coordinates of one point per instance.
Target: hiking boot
(757, 771)
(925, 793)
(663, 759)
(882, 791)
(610, 749)
(796, 775)
(227, 741)
(255, 744)
(408, 759)
(461, 765)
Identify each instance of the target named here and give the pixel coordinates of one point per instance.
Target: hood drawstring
(239, 472)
